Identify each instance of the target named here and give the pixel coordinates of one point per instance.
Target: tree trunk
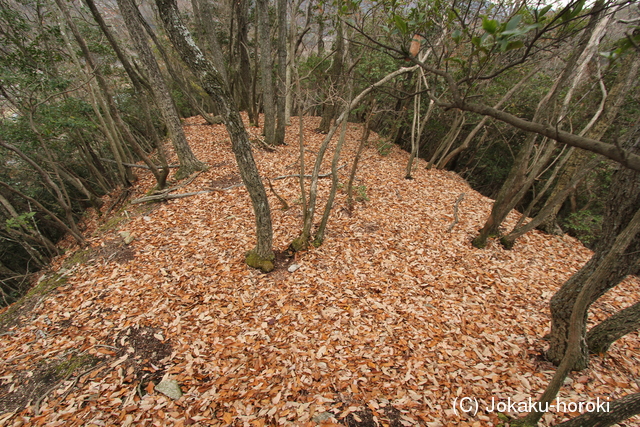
(241, 80)
(319, 237)
(516, 185)
(60, 198)
(520, 178)
(551, 206)
(268, 93)
(108, 97)
(333, 81)
(575, 353)
(467, 141)
(449, 138)
(204, 12)
(622, 205)
(282, 72)
(302, 242)
(366, 130)
(262, 256)
(624, 82)
(601, 336)
(188, 161)
(616, 411)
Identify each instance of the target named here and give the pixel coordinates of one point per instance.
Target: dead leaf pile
(387, 323)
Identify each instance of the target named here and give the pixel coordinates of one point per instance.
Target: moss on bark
(256, 261)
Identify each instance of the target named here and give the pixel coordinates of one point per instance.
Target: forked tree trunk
(302, 241)
(211, 80)
(108, 98)
(519, 178)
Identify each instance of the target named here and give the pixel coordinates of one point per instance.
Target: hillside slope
(390, 320)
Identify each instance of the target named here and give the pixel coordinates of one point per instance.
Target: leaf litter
(388, 322)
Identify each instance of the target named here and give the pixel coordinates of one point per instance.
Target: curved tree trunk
(622, 205)
(605, 333)
(575, 353)
(617, 411)
(262, 256)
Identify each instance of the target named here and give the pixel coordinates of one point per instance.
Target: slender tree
(211, 80)
(266, 73)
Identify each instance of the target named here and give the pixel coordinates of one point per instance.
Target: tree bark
(601, 336)
(618, 410)
(268, 93)
(302, 242)
(333, 81)
(241, 81)
(282, 72)
(60, 199)
(622, 205)
(188, 161)
(575, 352)
(262, 256)
(108, 97)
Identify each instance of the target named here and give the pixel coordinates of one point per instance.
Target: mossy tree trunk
(211, 80)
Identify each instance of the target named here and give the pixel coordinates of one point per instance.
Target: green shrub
(584, 225)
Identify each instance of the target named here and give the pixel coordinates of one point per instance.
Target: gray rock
(322, 416)
(170, 388)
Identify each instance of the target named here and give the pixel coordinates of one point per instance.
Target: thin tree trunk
(281, 72)
(60, 198)
(302, 242)
(27, 231)
(366, 130)
(465, 144)
(268, 93)
(319, 237)
(449, 138)
(517, 180)
(333, 80)
(122, 127)
(262, 256)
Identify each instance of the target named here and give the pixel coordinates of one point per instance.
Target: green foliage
(23, 220)
(584, 225)
(384, 147)
(362, 193)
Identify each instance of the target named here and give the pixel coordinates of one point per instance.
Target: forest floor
(392, 321)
